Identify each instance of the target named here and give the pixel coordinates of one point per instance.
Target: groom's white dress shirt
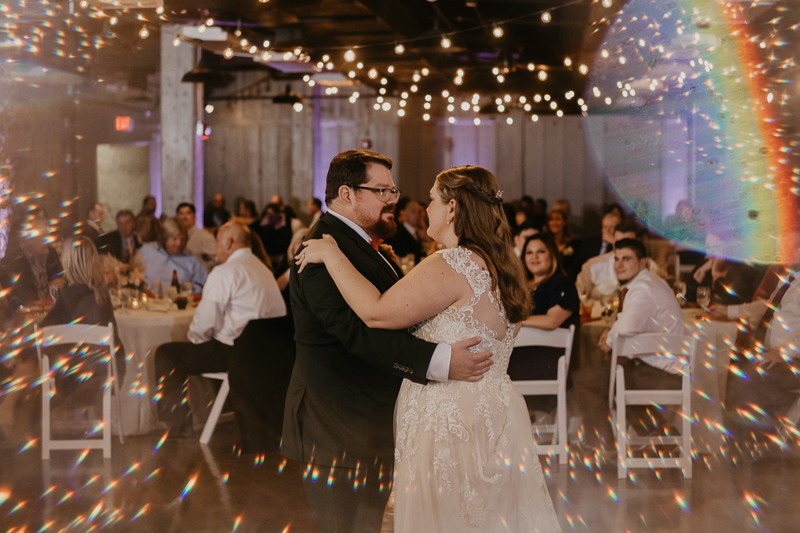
(439, 368)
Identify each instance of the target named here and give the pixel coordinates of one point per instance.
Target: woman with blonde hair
(85, 299)
(453, 438)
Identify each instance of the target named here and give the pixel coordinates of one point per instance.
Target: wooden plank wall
(258, 149)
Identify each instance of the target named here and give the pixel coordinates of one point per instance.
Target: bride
(464, 453)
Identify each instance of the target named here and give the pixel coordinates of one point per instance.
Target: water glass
(157, 286)
(703, 297)
(680, 292)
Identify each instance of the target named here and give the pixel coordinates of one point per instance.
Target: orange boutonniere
(387, 249)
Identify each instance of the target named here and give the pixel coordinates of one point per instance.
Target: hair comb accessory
(499, 194)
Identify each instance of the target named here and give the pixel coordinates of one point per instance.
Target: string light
(266, 44)
(201, 28)
(583, 69)
(537, 98)
(350, 56)
(426, 117)
(560, 113)
(209, 108)
(266, 56)
(399, 49)
(326, 58)
(458, 80)
(535, 118)
(351, 74)
(531, 67)
(546, 17)
(176, 41)
(359, 65)
(144, 32)
(445, 93)
(372, 73)
(113, 21)
(209, 21)
(606, 3)
(465, 106)
(567, 61)
(477, 121)
(244, 42)
(497, 31)
(542, 75)
(501, 78)
(160, 10)
(416, 77)
(414, 88)
(253, 49)
(390, 69)
(228, 53)
(297, 107)
(509, 121)
(425, 71)
(445, 42)
(451, 120)
(298, 51)
(401, 112)
(386, 106)
(384, 81)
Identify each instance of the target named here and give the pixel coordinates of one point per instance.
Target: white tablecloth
(141, 333)
(709, 375)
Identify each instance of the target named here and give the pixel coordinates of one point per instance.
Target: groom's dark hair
(350, 168)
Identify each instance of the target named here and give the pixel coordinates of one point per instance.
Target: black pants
(343, 507)
(591, 393)
(175, 362)
(772, 392)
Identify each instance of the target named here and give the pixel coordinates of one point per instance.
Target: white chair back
(678, 347)
(557, 338)
(89, 334)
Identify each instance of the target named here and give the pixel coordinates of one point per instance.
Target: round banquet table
(709, 374)
(141, 332)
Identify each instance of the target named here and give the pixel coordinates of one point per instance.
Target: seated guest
(160, 261)
(240, 289)
(525, 230)
(767, 356)
(247, 213)
(597, 246)
(31, 270)
(646, 305)
(731, 283)
(314, 207)
(85, 298)
(215, 214)
(597, 277)
(148, 231)
(568, 245)
(91, 227)
(555, 304)
(120, 243)
(276, 234)
(406, 241)
(148, 206)
(201, 243)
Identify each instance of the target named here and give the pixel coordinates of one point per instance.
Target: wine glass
(704, 297)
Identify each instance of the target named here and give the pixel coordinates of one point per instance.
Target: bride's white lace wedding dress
(464, 457)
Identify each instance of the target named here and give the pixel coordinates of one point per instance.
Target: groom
(340, 404)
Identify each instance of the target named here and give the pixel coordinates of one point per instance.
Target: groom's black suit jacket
(345, 381)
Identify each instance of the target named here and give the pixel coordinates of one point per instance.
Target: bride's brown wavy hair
(481, 226)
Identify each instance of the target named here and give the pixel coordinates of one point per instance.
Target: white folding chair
(557, 338)
(79, 334)
(216, 408)
(680, 347)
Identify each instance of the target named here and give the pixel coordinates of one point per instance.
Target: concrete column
(181, 109)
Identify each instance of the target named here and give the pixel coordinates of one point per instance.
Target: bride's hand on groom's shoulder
(466, 365)
(316, 251)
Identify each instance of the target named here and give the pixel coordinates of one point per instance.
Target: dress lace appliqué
(477, 435)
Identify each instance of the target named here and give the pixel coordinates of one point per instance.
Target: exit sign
(124, 124)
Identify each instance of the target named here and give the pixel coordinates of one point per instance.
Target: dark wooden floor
(183, 487)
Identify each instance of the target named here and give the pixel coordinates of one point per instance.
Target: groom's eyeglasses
(385, 194)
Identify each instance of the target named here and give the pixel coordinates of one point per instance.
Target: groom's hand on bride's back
(468, 366)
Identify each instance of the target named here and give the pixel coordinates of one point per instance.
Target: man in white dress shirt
(201, 243)
(769, 355)
(237, 291)
(647, 305)
(597, 276)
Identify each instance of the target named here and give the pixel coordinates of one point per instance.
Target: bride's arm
(427, 290)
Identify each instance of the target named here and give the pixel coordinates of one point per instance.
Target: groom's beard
(381, 228)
